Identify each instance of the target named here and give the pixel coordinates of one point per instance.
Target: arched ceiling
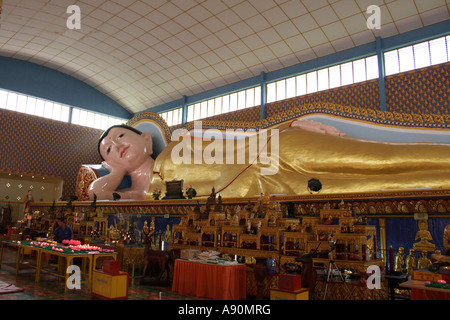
(145, 53)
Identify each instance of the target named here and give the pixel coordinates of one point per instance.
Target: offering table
(215, 281)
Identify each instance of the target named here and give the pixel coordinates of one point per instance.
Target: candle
(391, 259)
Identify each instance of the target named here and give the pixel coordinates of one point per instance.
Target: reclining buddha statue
(280, 161)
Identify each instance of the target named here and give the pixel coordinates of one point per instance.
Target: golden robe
(342, 164)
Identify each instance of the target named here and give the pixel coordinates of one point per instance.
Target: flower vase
(191, 193)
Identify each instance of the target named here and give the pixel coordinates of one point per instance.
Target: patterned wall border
(385, 118)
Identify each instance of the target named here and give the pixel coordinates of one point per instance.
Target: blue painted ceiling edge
(42, 82)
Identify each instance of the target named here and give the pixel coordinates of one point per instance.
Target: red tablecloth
(419, 294)
(218, 282)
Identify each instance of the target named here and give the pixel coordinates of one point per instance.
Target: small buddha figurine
(328, 221)
(219, 206)
(399, 260)
(273, 203)
(147, 233)
(122, 222)
(145, 227)
(424, 236)
(278, 206)
(235, 220)
(424, 262)
(167, 234)
(410, 262)
(266, 200)
(261, 199)
(152, 225)
(211, 201)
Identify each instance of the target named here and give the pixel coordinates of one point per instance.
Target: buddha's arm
(315, 126)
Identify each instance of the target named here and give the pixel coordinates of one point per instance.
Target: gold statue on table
(399, 260)
(424, 262)
(424, 237)
(410, 262)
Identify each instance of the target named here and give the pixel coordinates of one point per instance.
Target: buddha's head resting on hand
(125, 146)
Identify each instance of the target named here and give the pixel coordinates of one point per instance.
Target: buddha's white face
(125, 148)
